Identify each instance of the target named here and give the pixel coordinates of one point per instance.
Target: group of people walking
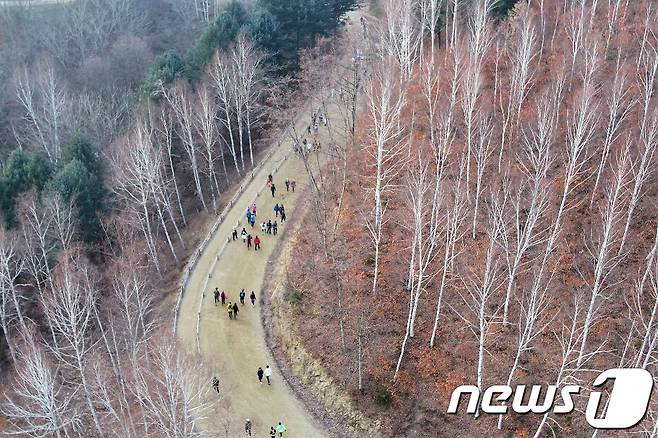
(232, 308)
(267, 373)
(279, 429)
(271, 227)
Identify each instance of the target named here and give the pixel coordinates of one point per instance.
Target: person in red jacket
(257, 243)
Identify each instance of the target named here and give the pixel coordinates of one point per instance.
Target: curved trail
(235, 349)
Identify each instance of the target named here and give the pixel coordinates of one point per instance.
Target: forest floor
(234, 349)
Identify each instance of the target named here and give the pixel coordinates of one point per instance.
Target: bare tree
(646, 323)
(401, 35)
(204, 120)
(249, 80)
(480, 314)
(620, 102)
(70, 311)
(385, 102)
(174, 391)
(423, 186)
(525, 232)
(569, 337)
(165, 133)
(482, 154)
(11, 266)
(453, 232)
(430, 13)
(220, 72)
(44, 103)
(179, 100)
(602, 250)
(648, 132)
(39, 404)
(533, 322)
(522, 56)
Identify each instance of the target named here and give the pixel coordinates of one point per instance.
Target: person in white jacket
(268, 373)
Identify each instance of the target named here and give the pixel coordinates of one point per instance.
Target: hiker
(247, 426)
(293, 183)
(268, 373)
(263, 227)
(274, 228)
(257, 243)
(252, 297)
(283, 215)
(260, 373)
(272, 432)
(223, 296)
(215, 384)
(234, 235)
(248, 214)
(276, 209)
(270, 180)
(269, 226)
(281, 429)
(253, 220)
(243, 233)
(235, 310)
(216, 293)
(253, 208)
(272, 189)
(248, 241)
(242, 295)
(230, 310)
(287, 185)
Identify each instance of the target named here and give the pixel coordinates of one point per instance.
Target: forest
(478, 208)
(491, 219)
(125, 126)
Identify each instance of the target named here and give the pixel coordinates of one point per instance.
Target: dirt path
(237, 348)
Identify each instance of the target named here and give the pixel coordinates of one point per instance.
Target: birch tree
(174, 392)
(39, 404)
(602, 251)
(423, 187)
(521, 58)
(11, 313)
(385, 100)
(479, 313)
(453, 232)
(70, 311)
(249, 80)
(181, 105)
(44, 103)
(525, 231)
(568, 372)
(619, 104)
(220, 72)
(482, 154)
(204, 121)
(165, 133)
(648, 133)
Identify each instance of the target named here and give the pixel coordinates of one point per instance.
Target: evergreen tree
(219, 35)
(166, 68)
(21, 172)
(81, 178)
(302, 21)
